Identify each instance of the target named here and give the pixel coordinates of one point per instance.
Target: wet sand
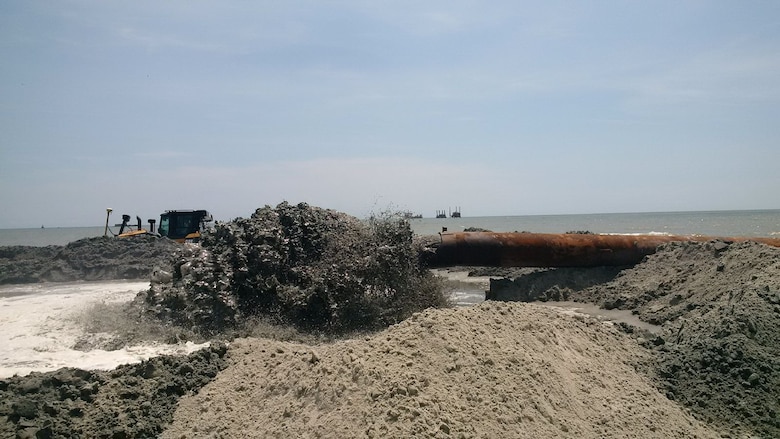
(40, 325)
(481, 369)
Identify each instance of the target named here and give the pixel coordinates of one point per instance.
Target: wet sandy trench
(468, 290)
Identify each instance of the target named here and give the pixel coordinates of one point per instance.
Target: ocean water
(764, 223)
(48, 236)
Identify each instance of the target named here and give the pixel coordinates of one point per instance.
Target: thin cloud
(161, 155)
(721, 76)
(157, 40)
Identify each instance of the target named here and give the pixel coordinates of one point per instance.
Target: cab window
(164, 226)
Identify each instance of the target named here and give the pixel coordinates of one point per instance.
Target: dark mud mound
(719, 305)
(132, 401)
(100, 258)
(315, 268)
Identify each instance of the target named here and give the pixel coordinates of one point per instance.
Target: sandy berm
(493, 370)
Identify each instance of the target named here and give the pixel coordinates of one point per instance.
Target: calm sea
(717, 223)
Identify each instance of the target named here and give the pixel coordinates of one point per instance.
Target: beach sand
(492, 370)
(42, 326)
(489, 369)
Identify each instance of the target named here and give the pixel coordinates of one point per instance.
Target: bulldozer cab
(184, 225)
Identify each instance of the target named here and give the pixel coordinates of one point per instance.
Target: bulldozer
(177, 225)
(184, 225)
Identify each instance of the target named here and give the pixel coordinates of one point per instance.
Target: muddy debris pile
(719, 306)
(317, 269)
(136, 400)
(90, 259)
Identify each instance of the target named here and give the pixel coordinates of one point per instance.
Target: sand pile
(494, 370)
(719, 304)
(720, 307)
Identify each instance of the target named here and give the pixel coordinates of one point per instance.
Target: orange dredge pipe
(556, 250)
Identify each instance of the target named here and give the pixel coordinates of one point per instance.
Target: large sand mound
(494, 370)
(719, 304)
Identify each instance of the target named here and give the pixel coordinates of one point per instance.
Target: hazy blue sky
(500, 107)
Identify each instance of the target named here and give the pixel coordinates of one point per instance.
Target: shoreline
(750, 222)
(715, 303)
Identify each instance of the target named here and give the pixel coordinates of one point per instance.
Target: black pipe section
(553, 250)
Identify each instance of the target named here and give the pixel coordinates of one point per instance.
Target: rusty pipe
(555, 250)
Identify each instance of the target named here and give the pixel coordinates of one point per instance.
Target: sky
(499, 107)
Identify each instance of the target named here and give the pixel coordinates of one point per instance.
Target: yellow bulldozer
(177, 225)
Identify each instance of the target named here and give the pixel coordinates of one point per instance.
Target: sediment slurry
(494, 370)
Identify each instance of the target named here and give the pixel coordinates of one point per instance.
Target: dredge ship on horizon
(453, 213)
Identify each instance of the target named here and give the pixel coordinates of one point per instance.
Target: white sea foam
(38, 331)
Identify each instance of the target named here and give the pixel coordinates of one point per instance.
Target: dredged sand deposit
(491, 370)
